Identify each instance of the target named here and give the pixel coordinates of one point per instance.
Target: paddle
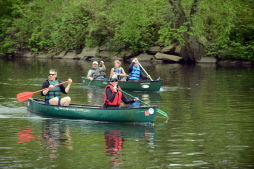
(159, 110)
(145, 71)
(27, 95)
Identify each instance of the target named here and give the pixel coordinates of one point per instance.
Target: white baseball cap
(95, 62)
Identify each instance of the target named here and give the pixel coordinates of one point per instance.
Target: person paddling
(53, 96)
(114, 97)
(117, 71)
(96, 72)
(135, 73)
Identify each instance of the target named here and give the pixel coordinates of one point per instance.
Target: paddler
(135, 73)
(97, 72)
(117, 71)
(53, 96)
(113, 97)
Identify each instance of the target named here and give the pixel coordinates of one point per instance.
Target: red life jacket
(118, 97)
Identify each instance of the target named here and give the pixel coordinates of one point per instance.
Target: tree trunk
(192, 50)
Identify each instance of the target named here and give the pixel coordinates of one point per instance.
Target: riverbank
(155, 54)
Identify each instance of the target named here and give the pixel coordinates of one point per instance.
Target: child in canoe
(117, 71)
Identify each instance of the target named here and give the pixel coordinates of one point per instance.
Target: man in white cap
(97, 72)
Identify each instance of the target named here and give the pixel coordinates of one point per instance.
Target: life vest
(119, 71)
(135, 73)
(114, 142)
(98, 73)
(118, 97)
(54, 92)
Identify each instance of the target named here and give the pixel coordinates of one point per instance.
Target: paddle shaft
(159, 110)
(133, 97)
(145, 71)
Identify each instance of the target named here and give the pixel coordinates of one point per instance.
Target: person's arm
(68, 86)
(63, 89)
(111, 73)
(89, 73)
(123, 74)
(143, 76)
(126, 100)
(131, 67)
(110, 95)
(103, 67)
(45, 85)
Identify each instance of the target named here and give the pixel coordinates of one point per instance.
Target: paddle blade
(24, 96)
(162, 112)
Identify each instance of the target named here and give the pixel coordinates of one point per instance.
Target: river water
(211, 122)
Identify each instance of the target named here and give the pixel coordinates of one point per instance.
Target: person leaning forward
(53, 96)
(113, 97)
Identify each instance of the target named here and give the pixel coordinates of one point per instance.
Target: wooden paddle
(27, 95)
(145, 71)
(159, 110)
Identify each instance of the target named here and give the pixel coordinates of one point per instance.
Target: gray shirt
(96, 73)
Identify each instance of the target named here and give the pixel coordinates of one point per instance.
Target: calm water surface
(211, 121)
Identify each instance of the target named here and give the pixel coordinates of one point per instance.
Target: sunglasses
(51, 74)
(114, 81)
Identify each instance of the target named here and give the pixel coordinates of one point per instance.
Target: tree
(192, 49)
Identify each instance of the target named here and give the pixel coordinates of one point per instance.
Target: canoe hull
(126, 85)
(139, 115)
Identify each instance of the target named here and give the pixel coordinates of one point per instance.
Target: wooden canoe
(126, 85)
(144, 114)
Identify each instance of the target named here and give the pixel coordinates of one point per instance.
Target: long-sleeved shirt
(111, 96)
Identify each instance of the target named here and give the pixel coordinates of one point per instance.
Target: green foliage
(168, 34)
(226, 28)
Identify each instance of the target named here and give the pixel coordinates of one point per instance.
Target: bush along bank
(159, 30)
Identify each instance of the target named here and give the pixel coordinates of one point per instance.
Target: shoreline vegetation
(166, 31)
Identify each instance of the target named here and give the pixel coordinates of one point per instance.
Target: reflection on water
(55, 139)
(210, 126)
(25, 137)
(114, 145)
(53, 134)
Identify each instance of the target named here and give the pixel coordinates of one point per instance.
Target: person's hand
(136, 99)
(46, 91)
(115, 88)
(135, 60)
(102, 62)
(114, 76)
(90, 78)
(69, 81)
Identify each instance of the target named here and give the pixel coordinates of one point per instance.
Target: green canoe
(97, 113)
(126, 85)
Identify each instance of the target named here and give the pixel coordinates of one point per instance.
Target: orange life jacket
(118, 97)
